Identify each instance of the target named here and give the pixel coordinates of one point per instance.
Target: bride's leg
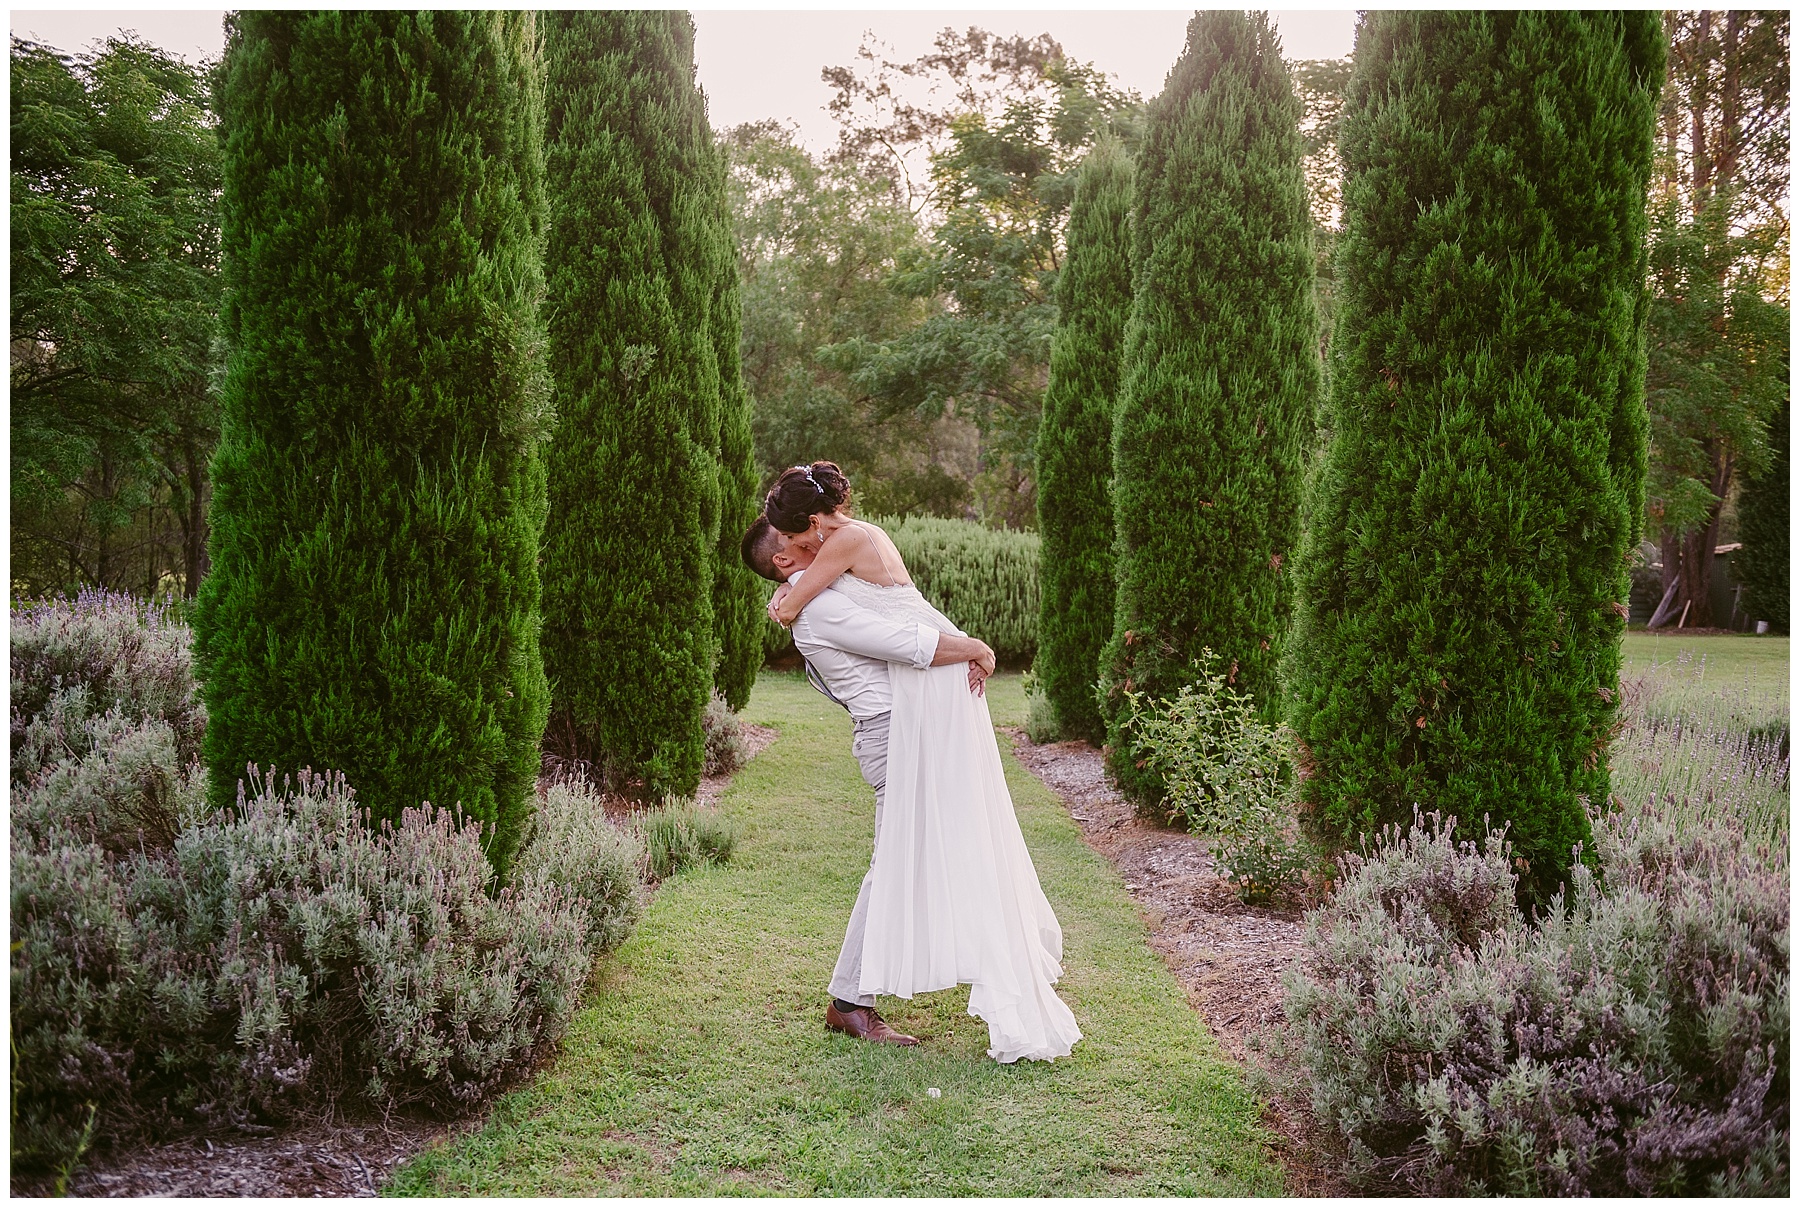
(870, 746)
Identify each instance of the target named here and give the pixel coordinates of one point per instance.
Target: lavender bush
(1634, 1041)
(172, 966)
(572, 844)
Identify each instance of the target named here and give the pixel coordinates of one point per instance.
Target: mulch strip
(1228, 956)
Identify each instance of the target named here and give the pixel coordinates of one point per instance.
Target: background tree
(115, 293)
(1221, 369)
(1002, 171)
(1762, 565)
(373, 603)
(638, 288)
(816, 244)
(1718, 318)
(1456, 639)
(1074, 449)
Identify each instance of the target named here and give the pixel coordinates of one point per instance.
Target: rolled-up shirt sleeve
(833, 619)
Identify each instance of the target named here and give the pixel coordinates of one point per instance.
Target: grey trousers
(869, 743)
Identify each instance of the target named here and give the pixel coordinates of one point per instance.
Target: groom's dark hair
(759, 548)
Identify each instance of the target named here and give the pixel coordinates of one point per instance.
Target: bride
(953, 894)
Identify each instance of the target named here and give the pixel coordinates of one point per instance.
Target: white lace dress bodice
(954, 897)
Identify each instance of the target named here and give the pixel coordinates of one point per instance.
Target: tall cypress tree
(1220, 373)
(1462, 576)
(737, 592)
(635, 610)
(1074, 451)
(379, 490)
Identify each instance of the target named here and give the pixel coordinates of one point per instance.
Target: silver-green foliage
(170, 963)
(985, 580)
(572, 844)
(1633, 1041)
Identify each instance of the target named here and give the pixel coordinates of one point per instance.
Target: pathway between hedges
(702, 1065)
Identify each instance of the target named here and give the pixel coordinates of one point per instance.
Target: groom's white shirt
(851, 648)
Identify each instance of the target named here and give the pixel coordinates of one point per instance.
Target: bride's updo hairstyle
(803, 491)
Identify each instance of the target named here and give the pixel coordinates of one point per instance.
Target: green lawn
(1757, 664)
(702, 1064)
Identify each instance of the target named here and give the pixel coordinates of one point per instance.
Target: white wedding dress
(953, 895)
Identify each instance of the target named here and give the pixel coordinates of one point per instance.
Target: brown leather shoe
(864, 1024)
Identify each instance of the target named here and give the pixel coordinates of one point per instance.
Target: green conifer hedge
(1221, 370)
(1074, 451)
(738, 595)
(1462, 577)
(650, 477)
(378, 486)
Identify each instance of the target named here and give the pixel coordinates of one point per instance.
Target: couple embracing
(951, 895)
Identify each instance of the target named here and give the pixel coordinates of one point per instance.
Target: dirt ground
(1229, 957)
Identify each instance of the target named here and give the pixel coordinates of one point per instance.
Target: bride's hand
(785, 614)
(977, 679)
(775, 601)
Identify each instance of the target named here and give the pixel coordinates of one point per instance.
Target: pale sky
(762, 64)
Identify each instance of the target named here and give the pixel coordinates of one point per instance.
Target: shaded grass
(702, 1065)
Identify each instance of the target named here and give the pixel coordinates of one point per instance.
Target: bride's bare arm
(835, 557)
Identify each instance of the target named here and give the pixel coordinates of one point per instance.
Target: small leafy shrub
(1264, 859)
(1225, 773)
(985, 580)
(1041, 723)
(725, 748)
(572, 844)
(680, 834)
(1634, 1041)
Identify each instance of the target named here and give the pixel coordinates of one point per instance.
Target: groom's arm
(833, 619)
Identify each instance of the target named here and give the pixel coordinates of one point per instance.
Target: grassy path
(702, 1065)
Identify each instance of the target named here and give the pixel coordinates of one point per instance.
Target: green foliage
(1041, 722)
(679, 835)
(1633, 1042)
(1456, 637)
(1220, 373)
(636, 615)
(985, 580)
(816, 244)
(574, 846)
(1225, 773)
(115, 293)
(1074, 447)
(1003, 169)
(1220, 765)
(737, 590)
(1718, 325)
(1762, 565)
(379, 489)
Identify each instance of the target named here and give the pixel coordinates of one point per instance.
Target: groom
(847, 650)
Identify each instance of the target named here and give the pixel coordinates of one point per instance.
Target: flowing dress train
(953, 895)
